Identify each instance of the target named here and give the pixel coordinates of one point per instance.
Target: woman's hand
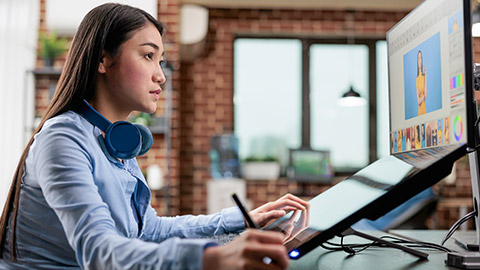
(253, 249)
(277, 209)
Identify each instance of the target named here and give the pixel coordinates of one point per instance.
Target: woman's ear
(101, 67)
(104, 61)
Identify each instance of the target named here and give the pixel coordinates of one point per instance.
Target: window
(342, 130)
(273, 95)
(267, 96)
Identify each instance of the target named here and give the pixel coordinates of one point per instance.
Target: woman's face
(133, 77)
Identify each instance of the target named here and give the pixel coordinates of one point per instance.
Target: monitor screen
(428, 77)
(310, 166)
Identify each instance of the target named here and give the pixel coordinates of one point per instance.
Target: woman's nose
(159, 77)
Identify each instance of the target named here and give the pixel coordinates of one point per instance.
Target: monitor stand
(470, 259)
(420, 254)
(474, 159)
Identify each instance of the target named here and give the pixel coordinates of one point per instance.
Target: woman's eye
(162, 63)
(149, 55)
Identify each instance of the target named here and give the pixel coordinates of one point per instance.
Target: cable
(457, 224)
(418, 244)
(353, 249)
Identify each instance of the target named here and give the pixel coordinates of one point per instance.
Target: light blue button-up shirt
(76, 209)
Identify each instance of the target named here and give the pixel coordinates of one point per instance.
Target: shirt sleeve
(160, 228)
(64, 170)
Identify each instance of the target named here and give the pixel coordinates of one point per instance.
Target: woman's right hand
(248, 251)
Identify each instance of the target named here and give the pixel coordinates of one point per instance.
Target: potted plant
(143, 118)
(261, 168)
(52, 47)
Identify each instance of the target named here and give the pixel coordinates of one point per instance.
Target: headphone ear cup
(123, 140)
(147, 138)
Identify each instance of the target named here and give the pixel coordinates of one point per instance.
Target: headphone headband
(93, 116)
(123, 139)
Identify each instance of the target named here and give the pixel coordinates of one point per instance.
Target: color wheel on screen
(457, 128)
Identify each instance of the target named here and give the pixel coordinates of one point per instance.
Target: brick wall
(206, 102)
(203, 102)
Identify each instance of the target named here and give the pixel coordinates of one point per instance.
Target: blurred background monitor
(310, 166)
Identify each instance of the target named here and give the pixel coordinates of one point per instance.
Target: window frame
(307, 42)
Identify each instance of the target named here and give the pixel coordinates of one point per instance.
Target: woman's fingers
(276, 253)
(279, 204)
(274, 210)
(266, 244)
(274, 214)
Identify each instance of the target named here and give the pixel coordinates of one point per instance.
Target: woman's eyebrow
(153, 45)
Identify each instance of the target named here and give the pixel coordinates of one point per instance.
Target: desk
(380, 258)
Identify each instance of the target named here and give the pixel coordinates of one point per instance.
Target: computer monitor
(426, 89)
(307, 165)
(428, 79)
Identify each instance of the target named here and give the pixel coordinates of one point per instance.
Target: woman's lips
(156, 93)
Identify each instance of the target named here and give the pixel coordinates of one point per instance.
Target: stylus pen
(249, 220)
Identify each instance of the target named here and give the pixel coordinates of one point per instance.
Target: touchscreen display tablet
(370, 193)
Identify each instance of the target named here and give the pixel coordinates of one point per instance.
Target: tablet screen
(360, 195)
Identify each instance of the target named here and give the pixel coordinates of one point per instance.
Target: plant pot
(261, 170)
(48, 62)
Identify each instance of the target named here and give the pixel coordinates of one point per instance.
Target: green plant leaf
(52, 46)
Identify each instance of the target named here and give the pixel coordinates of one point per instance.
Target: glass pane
(383, 107)
(267, 96)
(342, 130)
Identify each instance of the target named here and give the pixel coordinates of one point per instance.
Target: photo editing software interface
(427, 80)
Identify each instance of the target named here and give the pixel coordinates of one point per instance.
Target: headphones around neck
(123, 139)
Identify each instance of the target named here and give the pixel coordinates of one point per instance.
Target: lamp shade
(351, 98)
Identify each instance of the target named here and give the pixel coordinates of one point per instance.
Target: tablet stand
(421, 255)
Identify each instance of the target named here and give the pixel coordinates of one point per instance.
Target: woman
(76, 202)
(440, 132)
(434, 134)
(414, 138)
(418, 135)
(421, 84)
(429, 134)
(424, 143)
(409, 144)
(446, 134)
(399, 141)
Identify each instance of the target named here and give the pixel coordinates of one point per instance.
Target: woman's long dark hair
(104, 28)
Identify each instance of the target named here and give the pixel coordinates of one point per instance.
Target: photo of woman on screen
(421, 84)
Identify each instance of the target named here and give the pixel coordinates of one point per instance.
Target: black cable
(353, 249)
(418, 244)
(457, 224)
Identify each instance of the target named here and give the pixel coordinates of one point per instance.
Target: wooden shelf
(48, 71)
